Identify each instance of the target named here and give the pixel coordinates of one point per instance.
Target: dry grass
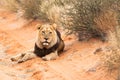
(32, 9)
(111, 59)
(91, 18)
(11, 5)
(47, 10)
(80, 18)
(51, 10)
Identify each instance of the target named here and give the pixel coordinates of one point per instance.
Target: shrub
(32, 9)
(11, 5)
(84, 18)
(46, 10)
(111, 59)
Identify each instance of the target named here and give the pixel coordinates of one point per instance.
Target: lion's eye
(38, 28)
(50, 32)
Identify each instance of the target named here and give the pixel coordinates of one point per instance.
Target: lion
(48, 45)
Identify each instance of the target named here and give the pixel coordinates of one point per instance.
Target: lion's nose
(46, 38)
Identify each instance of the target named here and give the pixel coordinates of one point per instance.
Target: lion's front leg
(51, 56)
(23, 57)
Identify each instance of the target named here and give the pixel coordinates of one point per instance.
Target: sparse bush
(47, 10)
(11, 5)
(111, 59)
(86, 18)
(32, 9)
(51, 10)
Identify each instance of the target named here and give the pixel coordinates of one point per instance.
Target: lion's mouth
(46, 43)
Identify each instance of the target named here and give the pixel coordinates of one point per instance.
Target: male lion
(48, 44)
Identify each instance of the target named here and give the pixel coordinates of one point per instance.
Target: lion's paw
(17, 57)
(51, 56)
(48, 58)
(23, 57)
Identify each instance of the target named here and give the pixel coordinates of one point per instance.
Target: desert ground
(77, 62)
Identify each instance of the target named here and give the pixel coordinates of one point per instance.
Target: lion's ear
(38, 26)
(54, 26)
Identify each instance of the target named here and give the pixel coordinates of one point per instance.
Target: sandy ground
(78, 61)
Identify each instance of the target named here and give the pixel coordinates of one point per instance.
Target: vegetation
(31, 8)
(86, 17)
(11, 5)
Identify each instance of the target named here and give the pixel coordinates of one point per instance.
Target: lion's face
(47, 36)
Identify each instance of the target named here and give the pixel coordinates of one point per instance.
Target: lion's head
(47, 35)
